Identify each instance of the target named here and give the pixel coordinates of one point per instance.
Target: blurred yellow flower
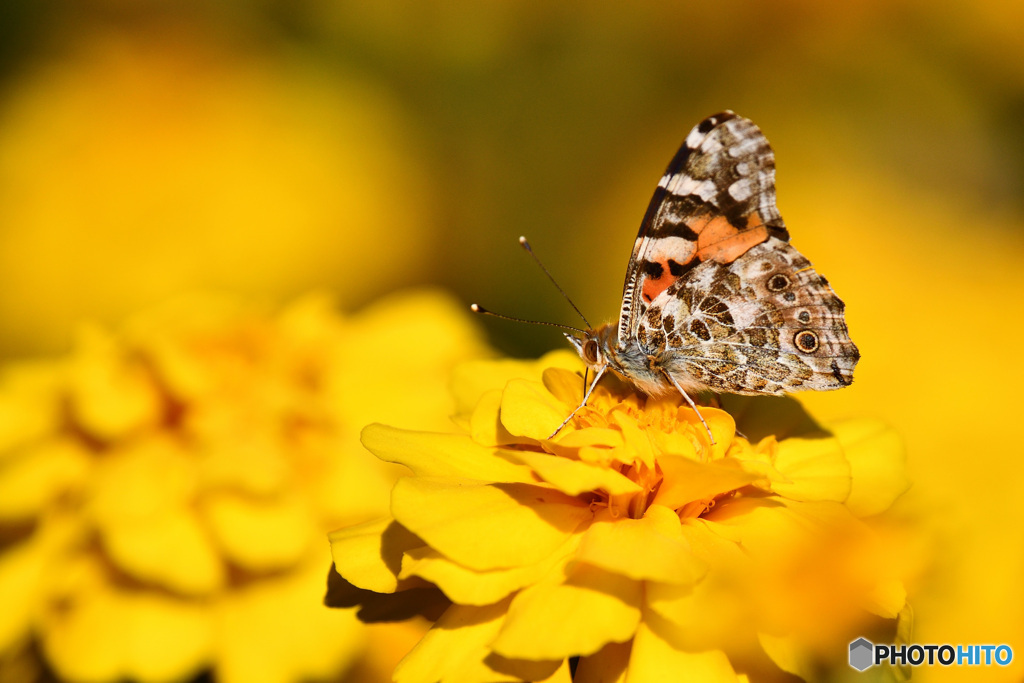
(628, 541)
(141, 163)
(164, 491)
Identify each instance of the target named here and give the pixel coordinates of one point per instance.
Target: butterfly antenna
(483, 311)
(528, 248)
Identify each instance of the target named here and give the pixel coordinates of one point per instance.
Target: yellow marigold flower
(164, 491)
(627, 544)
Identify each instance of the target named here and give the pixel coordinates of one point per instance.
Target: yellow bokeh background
(270, 148)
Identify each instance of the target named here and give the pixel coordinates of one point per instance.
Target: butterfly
(715, 297)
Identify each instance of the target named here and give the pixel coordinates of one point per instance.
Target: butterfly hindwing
(715, 201)
(766, 323)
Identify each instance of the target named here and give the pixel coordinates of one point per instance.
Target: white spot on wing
(663, 248)
(683, 185)
(745, 147)
(741, 189)
(694, 139)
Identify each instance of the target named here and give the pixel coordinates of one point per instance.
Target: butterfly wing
(767, 323)
(715, 292)
(715, 201)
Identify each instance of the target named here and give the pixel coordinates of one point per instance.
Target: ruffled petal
(602, 607)
(142, 506)
(33, 477)
(816, 469)
(653, 659)
(640, 550)
(96, 632)
(369, 555)
(472, 379)
(529, 410)
(262, 535)
(276, 631)
(442, 455)
(469, 587)
(877, 463)
(457, 650)
(572, 476)
(21, 577)
(486, 527)
(485, 425)
(687, 480)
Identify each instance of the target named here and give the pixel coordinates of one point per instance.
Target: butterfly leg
(586, 397)
(692, 405)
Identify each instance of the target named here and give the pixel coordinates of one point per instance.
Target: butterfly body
(715, 297)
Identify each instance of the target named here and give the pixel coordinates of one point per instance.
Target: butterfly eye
(590, 352)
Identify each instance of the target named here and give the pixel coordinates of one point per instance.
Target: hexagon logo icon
(860, 654)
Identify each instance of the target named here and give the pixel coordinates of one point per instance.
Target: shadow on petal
(780, 416)
(426, 601)
(524, 669)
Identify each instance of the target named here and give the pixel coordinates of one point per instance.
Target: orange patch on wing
(721, 241)
(655, 286)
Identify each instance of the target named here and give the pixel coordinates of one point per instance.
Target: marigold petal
(602, 446)
(454, 650)
(487, 527)
(816, 469)
(262, 535)
(369, 555)
(276, 631)
(485, 425)
(721, 423)
(640, 550)
(712, 542)
(109, 399)
(442, 455)
(443, 337)
(572, 476)
(529, 410)
(887, 599)
(653, 660)
(687, 480)
(30, 407)
(604, 437)
(637, 445)
(679, 443)
(33, 477)
(469, 587)
(788, 656)
(253, 463)
(706, 613)
(552, 620)
(141, 503)
(113, 634)
(565, 385)
(473, 379)
(877, 464)
(526, 669)
(21, 572)
(172, 549)
(607, 665)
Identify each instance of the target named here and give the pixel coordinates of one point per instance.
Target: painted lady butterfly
(715, 296)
